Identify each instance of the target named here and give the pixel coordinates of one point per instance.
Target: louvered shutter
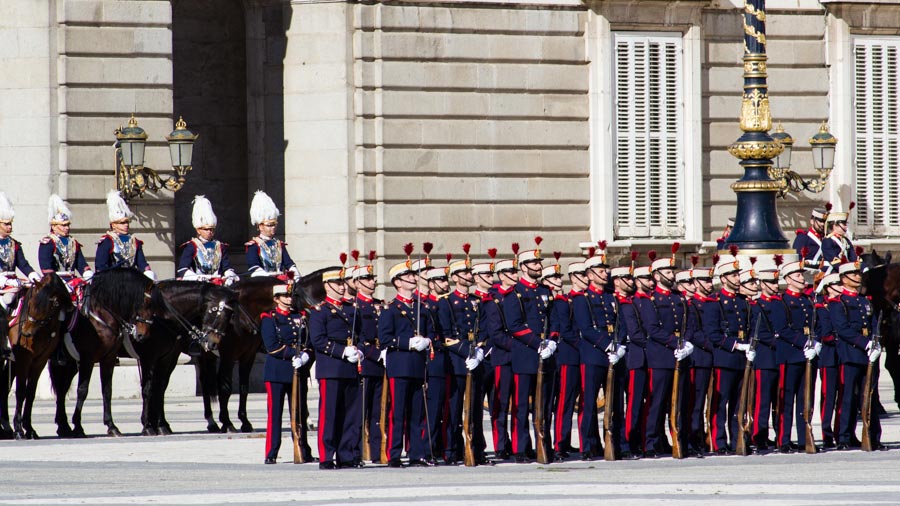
(648, 136)
(876, 125)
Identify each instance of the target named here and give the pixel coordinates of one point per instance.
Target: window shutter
(877, 135)
(649, 162)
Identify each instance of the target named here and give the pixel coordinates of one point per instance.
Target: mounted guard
(204, 258)
(266, 255)
(118, 247)
(11, 259)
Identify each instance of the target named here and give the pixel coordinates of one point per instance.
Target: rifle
(675, 408)
(469, 453)
(808, 383)
(744, 415)
(868, 391)
(609, 449)
(298, 428)
(543, 455)
(383, 418)
(366, 451)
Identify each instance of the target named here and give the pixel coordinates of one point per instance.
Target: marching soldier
(829, 361)
(812, 238)
(852, 321)
(596, 315)
(663, 316)
(772, 310)
(11, 259)
(284, 336)
(796, 344)
(118, 248)
(332, 334)
(368, 309)
(406, 333)
(204, 258)
(526, 312)
(836, 247)
(636, 358)
(568, 361)
(266, 255)
(501, 358)
(702, 358)
(725, 323)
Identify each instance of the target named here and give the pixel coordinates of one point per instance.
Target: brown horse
(34, 337)
(242, 342)
(118, 305)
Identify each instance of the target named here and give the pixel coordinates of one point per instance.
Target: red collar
(767, 298)
(621, 297)
(561, 296)
(792, 293)
(432, 297)
(813, 232)
(364, 298)
(480, 293)
(283, 312)
(703, 298)
(348, 298)
(641, 295)
(419, 294)
(728, 294)
(404, 299)
(848, 292)
(598, 291)
(504, 291)
(334, 302)
(527, 283)
(663, 291)
(575, 293)
(461, 295)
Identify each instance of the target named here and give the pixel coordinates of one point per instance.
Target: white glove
(742, 346)
(679, 354)
(34, 277)
(818, 347)
(870, 345)
(88, 274)
(418, 343)
(547, 349)
(874, 353)
(259, 273)
(472, 363)
(12, 282)
(151, 275)
(230, 277)
(190, 275)
(351, 353)
(383, 357)
(809, 353)
(751, 355)
(620, 351)
(613, 358)
(300, 360)
(295, 272)
(684, 352)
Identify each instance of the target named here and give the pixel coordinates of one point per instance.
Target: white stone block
(25, 132)
(17, 73)
(144, 71)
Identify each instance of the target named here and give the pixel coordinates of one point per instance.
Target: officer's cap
(400, 269)
(576, 268)
(280, 289)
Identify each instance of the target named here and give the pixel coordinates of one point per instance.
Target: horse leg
(892, 364)
(20, 398)
(226, 384)
(30, 394)
(244, 368)
(147, 414)
(206, 373)
(61, 376)
(85, 370)
(166, 368)
(106, 375)
(6, 431)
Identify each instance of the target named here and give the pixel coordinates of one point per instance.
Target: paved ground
(193, 467)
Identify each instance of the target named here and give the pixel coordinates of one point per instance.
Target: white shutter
(648, 136)
(876, 98)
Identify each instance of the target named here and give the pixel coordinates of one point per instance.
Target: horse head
(42, 306)
(220, 306)
(126, 300)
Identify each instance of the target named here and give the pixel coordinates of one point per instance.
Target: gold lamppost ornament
(133, 179)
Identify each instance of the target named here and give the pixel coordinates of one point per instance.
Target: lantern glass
(132, 153)
(181, 153)
(783, 161)
(823, 157)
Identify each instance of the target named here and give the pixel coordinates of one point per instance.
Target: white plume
(202, 214)
(7, 213)
(262, 208)
(58, 211)
(118, 209)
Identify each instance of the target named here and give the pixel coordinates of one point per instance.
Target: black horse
(118, 304)
(242, 342)
(882, 283)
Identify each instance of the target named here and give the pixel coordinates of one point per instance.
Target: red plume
(408, 248)
(371, 255)
(719, 241)
(591, 251)
(515, 248)
(492, 252)
(828, 206)
(852, 205)
(634, 256)
(355, 255)
(675, 246)
(538, 240)
(651, 255)
(556, 255)
(779, 259)
(752, 261)
(449, 256)
(343, 258)
(804, 252)
(694, 260)
(427, 247)
(466, 248)
(602, 244)
(715, 258)
(733, 249)
(859, 250)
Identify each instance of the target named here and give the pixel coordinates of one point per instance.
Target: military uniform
(836, 251)
(636, 362)
(501, 359)
(367, 313)
(701, 370)
(281, 332)
(811, 240)
(120, 250)
(330, 330)
(61, 254)
(204, 258)
(437, 375)
(792, 341)
(829, 365)
(771, 310)
(568, 361)
(267, 255)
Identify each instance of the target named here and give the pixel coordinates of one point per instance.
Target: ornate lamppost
(756, 228)
(133, 179)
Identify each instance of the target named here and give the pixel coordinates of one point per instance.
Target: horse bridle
(126, 328)
(201, 335)
(27, 316)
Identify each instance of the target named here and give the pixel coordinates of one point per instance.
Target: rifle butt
(810, 445)
(366, 451)
(295, 419)
(383, 419)
(609, 449)
(866, 410)
(468, 453)
(741, 447)
(540, 443)
(675, 415)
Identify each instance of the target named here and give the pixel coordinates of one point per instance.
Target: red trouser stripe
(714, 407)
(323, 419)
(561, 403)
(781, 431)
(515, 410)
(269, 418)
(630, 404)
(390, 432)
(756, 404)
(496, 411)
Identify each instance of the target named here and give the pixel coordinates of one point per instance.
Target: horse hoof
(213, 428)
(32, 435)
(165, 430)
(149, 431)
(20, 436)
(113, 431)
(228, 428)
(246, 427)
(64, 432)
(78, 432)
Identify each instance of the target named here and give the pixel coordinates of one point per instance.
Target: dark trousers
(659, 401)
(524, 387)
(339, 420)
(726, 394)
(763, 403)
(852, 378)
(697, 401)
(438, 405)
(407, 417)
(373, 385)
(502, 394)
(487, 386)
(635, 413)
(829, 378)
(593, 377)
(275, 395)
(569, 385)
(790, 403)
(455, 443)
(453, 450)
(619, 428)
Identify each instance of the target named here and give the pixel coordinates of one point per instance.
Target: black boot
(5, 351)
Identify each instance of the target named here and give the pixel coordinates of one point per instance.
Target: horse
(118, 305)
(196, 317)
(882, 283)
(242, 342)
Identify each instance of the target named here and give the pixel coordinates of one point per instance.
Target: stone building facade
(377, 123)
